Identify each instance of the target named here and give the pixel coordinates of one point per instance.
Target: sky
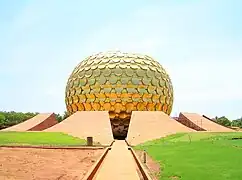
(199, 43)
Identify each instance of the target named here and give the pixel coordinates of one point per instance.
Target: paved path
(119, 164)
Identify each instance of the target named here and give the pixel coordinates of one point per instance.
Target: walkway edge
(92, 171)
(53, 147)
(142, 169)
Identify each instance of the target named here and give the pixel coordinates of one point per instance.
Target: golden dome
(119, 83)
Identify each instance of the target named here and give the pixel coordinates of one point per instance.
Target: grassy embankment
(39, 138)
(197, 156)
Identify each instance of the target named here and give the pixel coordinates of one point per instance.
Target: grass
(197, 156)
(39, 138)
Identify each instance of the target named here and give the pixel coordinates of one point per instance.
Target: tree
(66, 115)
(223, 121)
(237, 122)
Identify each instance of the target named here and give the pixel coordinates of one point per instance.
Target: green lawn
(39, 138)
(197, 156)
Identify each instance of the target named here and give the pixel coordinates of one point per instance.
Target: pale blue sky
(198, 42)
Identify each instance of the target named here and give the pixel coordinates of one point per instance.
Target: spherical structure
(119, 83)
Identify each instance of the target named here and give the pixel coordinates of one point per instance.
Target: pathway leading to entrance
(119, 164)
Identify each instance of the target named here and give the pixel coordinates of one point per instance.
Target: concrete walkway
(119, 164)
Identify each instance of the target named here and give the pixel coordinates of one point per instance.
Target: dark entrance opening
(120, 128)
(120, 137)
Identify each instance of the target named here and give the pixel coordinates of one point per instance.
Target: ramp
(37, 123)
(201, 123)
(87, 123)
(149, 125)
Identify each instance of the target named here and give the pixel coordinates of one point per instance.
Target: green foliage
(237, 123)
(210, 156)
(39, 138)
(223, 121)
(8, 119)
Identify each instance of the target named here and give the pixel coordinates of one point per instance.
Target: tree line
(8, 119)
(11, 118)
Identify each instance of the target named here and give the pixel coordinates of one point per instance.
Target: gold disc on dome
(102, 80)
(96, 72)
(107, 72)
(147, 97)
(129, 72)
(113, 79)
(146, 81)
(101, 96)
(90, 62)
(86, 89)
(124, 80)
(131, 90)
(159, 90)
(91, 81)
(75, 99)
(66, 101)
(152, 68)
(162, 99)
(168, 100)
(97, 61)
(157, 75)
(159, 70)
(141, 106)
(135, 80)
(118, 107)
(112, 66)
(87, 106)
(107, 106)
(69, 108)
(113, 96)
(74, 107)
(150, 73)
(155, 82)
(91, 97)
(82, 98)
(96, 88)
(150, 106)
(112, 114)
(81, 74)
(165, 107)
(165, 92)
(73, 91)
(78, 90)
(83, 82)
(80, 107)
(118, 71)
(88, 73)
(136, 97)
(123, 115)
(144, 67)
(129, 107)
(142, 89)
(151, 89)
(101, 66)
(96, 106)
(107, 88)
(134, 66)
(118, 88)
(162, 82)
(158, 107)
(140, 72)
(155, 98)
(123, 65)
(125, 97)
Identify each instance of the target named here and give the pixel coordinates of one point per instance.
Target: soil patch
(152, 166)
(43, 164)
